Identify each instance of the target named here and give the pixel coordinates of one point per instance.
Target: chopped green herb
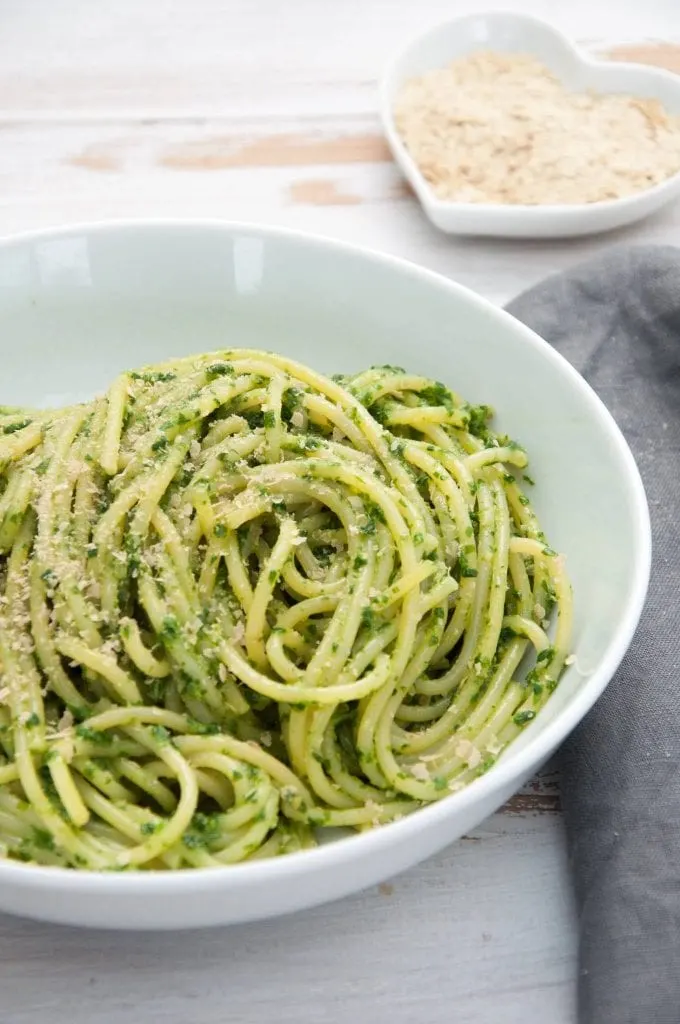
(84, 732)
(479, 416)
(12, 428)
(438, 394)
(153, 377)
(466, 570)
(170, 629)
(205, 831)
(149, 828)
(160, 733)
(216, 370)
(41, 838)
(368, 618)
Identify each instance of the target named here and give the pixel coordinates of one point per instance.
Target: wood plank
(213, 58)
(483, 932)
(55, 174)
(658, 54)
(321, 192)
(280, 150)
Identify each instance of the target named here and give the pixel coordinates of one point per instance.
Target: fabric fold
(616, 318)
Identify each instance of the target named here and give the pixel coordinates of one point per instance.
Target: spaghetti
(241, 602)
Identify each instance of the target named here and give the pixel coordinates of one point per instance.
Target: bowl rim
(511, 768)
(516, 211)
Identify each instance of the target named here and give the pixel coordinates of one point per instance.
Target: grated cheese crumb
(501, 128)
(494, 746)
(66, 721)
(468, 752)
(374, 810)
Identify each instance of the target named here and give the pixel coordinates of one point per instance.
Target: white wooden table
(266, 111)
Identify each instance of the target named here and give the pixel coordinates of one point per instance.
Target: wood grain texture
(48, 179)
(267, 112)
(169, 58)
(214, 154)
(321, 192)
(480, 934)
(660, 55)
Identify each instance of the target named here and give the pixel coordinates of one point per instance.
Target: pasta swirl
(241, 602)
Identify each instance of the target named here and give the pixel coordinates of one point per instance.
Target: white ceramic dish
(502, 30)
(79, 305)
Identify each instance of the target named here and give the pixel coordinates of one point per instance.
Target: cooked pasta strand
(241, 602)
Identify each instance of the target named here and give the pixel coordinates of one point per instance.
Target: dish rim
(422, 187)
(514, 764)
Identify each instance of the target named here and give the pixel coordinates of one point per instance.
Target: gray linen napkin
(616, 318)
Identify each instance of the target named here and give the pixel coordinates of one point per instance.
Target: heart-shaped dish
(507, 32)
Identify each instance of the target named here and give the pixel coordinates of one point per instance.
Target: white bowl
(519, 33)
(79, 305)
